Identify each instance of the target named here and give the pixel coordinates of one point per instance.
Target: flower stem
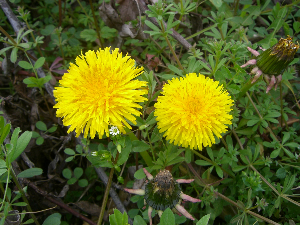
(24, 197)
(245, 88)
(104, 202)
(96, 23)
(170, 46)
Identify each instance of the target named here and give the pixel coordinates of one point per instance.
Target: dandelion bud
(276, 59)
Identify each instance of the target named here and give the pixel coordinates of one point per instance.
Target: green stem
(245, 88)
(246, 210)
(236, 7)
(7, 181)
(96, 23)
(104, 202)
(31, 33)
(8, 36)
(264, 179)
(61, 49)
(170, 46)
(210, 161)
(259, 115)
(24, 197)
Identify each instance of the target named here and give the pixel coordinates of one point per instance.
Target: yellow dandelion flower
(192, 110)
(100, 92)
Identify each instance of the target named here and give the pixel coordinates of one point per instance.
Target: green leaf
(275, 153)
(53, 219)
(39, 63)
(123, 157)
(138, 220)
(20, 204)
(251, 123)
(219, 171)
(286, 137)
(139, 146)
(13, 55)
(78, 172)
(167, 218)
(216, 3)
(107, 32)
(41, 126)
(5, 49)
(238, 168)
(72, 181)
(2, 164)
(25, 65)
(69, 159)
(175, 69)
(140, 174)
(29, 221)
(67, 173)
(210, 153)
(281, 173)
(30, 173)
(4, 132)
(292, 145)
(203, 163)
(48, 30)
(204, 220)
(31, 82)
(88, 35)
(22, 143)
(69, 151)
(83, 182)
(39, 141)
(152, 26)
(43, 80)
(52, 129)
(2, 171)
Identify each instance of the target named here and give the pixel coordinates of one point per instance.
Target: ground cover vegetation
(149, 112)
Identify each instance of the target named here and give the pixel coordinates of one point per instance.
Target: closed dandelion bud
(163, 191)
(275, 60)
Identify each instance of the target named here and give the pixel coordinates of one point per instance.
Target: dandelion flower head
(99, 92)
(192, 110)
